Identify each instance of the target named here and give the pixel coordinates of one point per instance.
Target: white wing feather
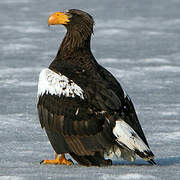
(57, 84)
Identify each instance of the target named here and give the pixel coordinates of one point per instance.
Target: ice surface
(138, 41)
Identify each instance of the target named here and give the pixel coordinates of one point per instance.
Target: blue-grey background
(137, 40)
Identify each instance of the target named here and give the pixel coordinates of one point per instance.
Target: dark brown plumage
(84, 126)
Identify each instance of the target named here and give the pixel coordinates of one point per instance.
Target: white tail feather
(127, 137)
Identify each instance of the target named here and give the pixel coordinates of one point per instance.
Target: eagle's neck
(74, 50)
(74, 41)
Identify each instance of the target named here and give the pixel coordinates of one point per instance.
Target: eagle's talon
(70, 160)
(58, 160)
(41, 162)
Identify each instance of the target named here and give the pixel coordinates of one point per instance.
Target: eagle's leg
(58, 160)
(96, 160)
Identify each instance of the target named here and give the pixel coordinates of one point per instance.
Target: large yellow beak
(58, 18)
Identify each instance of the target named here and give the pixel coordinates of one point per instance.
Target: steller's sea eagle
(83, 108)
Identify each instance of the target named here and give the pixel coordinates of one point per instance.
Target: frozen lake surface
(138, 41)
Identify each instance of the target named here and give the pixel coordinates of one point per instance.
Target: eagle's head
(78, 23)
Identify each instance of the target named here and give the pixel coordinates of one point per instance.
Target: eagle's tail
(127, 138)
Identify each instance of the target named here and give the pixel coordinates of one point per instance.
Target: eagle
(85, 111)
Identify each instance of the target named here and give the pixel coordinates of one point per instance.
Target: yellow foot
(62, 160)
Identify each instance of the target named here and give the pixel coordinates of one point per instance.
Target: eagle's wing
(127, 107)
(71, 124)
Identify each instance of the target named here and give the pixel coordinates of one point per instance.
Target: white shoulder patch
(57, 84)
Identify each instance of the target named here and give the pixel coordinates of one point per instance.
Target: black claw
(70, 161)
(41, 161)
